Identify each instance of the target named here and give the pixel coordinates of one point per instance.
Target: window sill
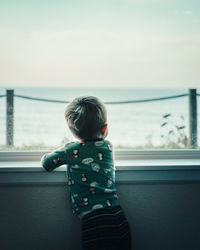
(127, 171)
(119, 155)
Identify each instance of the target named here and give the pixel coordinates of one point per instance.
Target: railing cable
(148, 100)
(112, 102)
(40, 99)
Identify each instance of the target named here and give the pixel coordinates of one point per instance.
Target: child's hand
(46, 164)
(53, 160)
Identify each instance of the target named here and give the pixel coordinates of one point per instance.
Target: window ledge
(119, 155)
(127, 171)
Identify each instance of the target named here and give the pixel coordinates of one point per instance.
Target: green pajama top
(90, 171)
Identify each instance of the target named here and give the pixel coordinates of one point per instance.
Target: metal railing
(192, 111)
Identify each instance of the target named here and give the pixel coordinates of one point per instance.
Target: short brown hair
(86, 116)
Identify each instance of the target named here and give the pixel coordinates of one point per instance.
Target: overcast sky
(100, 43)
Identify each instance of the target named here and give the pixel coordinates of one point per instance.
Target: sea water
(130, 125)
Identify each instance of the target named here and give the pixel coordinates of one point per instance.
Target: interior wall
(162, 217)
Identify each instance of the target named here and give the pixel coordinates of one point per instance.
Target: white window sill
(119, 155)
(127, 171)
(35, 166)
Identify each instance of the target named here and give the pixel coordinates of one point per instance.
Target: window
(116, 50)
(158, 124)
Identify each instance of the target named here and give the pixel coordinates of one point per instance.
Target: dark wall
(161, 216)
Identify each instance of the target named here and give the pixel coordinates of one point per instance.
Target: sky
(100, 43)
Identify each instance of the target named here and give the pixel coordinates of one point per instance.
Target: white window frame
(121, 155)
(132, 166)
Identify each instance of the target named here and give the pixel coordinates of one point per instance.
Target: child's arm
(54, 159)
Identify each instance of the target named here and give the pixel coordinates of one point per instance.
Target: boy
(91, 176)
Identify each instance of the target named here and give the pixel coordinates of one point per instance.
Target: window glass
(161, 124)
(117, 50)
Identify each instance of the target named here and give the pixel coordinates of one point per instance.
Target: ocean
(130, 125)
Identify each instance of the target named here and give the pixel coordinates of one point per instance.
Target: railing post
(9, 117)
(193, 118)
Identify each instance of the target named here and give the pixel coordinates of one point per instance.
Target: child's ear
(104, 128)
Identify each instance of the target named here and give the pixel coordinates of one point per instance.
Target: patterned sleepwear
(91, 175)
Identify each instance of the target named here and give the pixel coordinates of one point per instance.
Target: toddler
(91, 176)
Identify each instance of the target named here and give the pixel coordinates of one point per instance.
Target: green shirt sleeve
(54, 159)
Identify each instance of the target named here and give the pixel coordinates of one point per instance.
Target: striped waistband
(114, 210)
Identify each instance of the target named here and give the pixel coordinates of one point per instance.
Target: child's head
(87, 118)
